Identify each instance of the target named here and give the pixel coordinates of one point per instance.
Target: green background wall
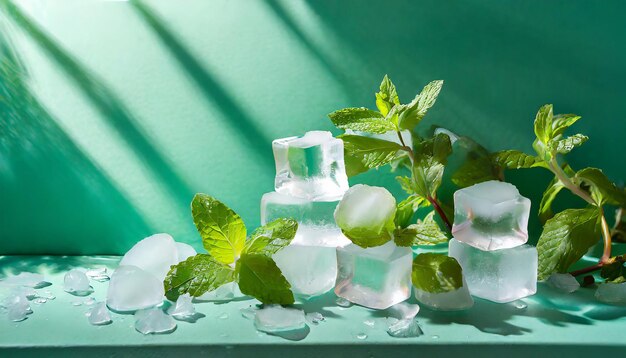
(122, 111)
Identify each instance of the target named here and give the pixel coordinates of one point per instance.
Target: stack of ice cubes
(310, 180)
(490, 232)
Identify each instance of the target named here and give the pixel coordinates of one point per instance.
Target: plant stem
(556, 169)
(440, 212)
(406, 148)
(587, 269)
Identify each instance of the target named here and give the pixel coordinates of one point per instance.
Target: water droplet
(520, 305)
(48, 295)
(369, 322)
(40, 300)
(223, 335)
(223, 316)
(77, 303)
(342, 302)
(361, 336)
(435, 337)
(90, 301)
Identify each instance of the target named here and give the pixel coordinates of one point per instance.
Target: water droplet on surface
(223, 316)
(342, 302)
(77, 303)
(369, 322)
(361, 336)
(89, 301)
(520, 305)
(435, 337)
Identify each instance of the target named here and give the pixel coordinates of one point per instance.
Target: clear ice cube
(154, 321)
(27, 279)
(376, 277)
(76, 282)
(500, 276)
(403, 310)
(132, 288)
(17, 306)
(564, 282)
(614, 293)
(456, 300)
(491, 215)
(154, 254)
(310, 166)
(183, 308)
(226, 292)
(275, 319)
(99, 314)
(185, 251)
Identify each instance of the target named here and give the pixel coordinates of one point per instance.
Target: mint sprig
(231, 258)
(436, 273)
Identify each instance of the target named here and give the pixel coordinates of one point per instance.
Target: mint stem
(587, 269)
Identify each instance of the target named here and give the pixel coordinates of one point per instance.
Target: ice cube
(314, 317)
(500, 276)
(99, 314)
(456, 300)
(185, 251)
(132, 288)
(564, 282)
(226, 292)
(183, 308)
(98, 274)
(27, 279)
(310, 166)
(17, 306)
(249, 312)
(367, 209)
(77, 283)
(154, 321)
(405, 328)
(614, 293)
(491, 215)
(403, 310)
(154, 254)
(275, 318)
(376, 277)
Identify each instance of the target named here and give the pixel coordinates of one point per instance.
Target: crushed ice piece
(249, 312)
(342, 302)
(17, 307)
(376, 277)
(183, 308)
(47, 295)
(500, 276)
(564, 282)
(89, 301)
(77, 283)
(459, 299)
(403, 310)
(361, 336)
(405, 328)
(132, 288)
(491, 215)
(154, 321)
(154, 254)
(185, 251)
(27, 279)
(226, 292)
(99, 314)
(40, 300)
(614, 293)
(27, 292)
(77, 303)
(99, 274)
(314, 317)
(275, 318)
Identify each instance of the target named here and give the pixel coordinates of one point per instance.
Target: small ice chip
(132, 288)
(564, 282)
(27, 279)
(154, 321)
(406, 328)
(403, 310)
(314, 317)
(154, 254)
(77, 283)
(614, 293)
(275, 318)
(249, 312)
(183, 308)
(99, 314)
(17, 307)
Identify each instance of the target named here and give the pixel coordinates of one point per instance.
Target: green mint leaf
(361, 119)
(567, 144)
(545, 207)
(543, 124)
(430, 159)
(561, 122)
(271, 237)
(402, 160)
(387, 97)
(404, 236)
(405, 210)
(223, 231)
(411, 114)
(197, 275)
(406, 184)
(428, 231)
(364, 153)
(601, 188)
(470, 163)
(436, 273)
(260, 278)
(565, 239)
(514, 159)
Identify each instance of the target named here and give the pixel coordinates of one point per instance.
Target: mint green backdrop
(114, 113)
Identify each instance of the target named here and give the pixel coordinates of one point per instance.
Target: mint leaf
(436, 273)
(364, 153)
(428, 231)
(471, 164)
(401, 160)
(387, 97)
(543, 124)
(411, 114)
(566, 145)
(560, 122)
(405, 210)
(404, 237)
(601, 188)
(260, 278)
(361, 119)
(196, 275)
(223, 231)
(514, 159)
(545, 207)
(430, 158)
(406, 184)
(272, 237)
(565, 239)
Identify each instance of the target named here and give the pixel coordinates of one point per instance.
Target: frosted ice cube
(99, 314)
(183, 308)
(564, 282)
(403, 310)
(310, 166)
(310, 270)
(366, 208)
(132, 288)
(614, 293)
(226, 292)
(376, 277)
(154, 321)
(491, 215)
(77, 283)
(185, 251)
(17, 306)
(456, 300)
(405, 328)
(275, 318)
(500, 276)
(27, 279)
(154, 254)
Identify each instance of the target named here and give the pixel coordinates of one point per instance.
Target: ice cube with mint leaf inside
(439, 283)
